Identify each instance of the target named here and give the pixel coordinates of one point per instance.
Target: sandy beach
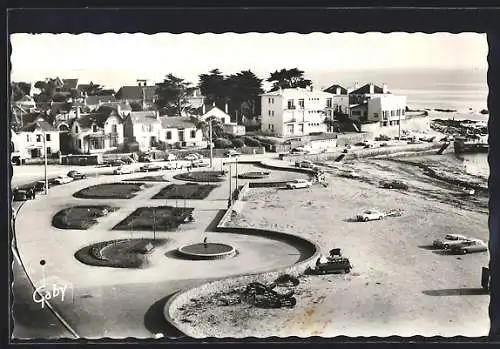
(399, 285)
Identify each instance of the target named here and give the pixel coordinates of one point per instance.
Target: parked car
(470, 246)
(124, 169)
(382, 138)
(199, 163)
(170, 157)
(305, 164)
(62, 179)
(349, 174)
(172, 166)
(20, 195)
(117, 163)
(335, 263)
(370, 215)
(76, 175)
(192, 157)
(145, 158)
(299, 183)
(384, 144)
(450, 240)
(368, 145)
(300, 150)
(394, 185)
(150, 167)
(467, 191)
(231, 152)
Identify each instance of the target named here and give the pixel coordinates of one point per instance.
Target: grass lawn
(193, 191)
(110, 191)
(80, 217)
(159, 178)
(125, 253)
(165, 218)
(201, 176)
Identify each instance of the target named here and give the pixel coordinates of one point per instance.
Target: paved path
(121, 302)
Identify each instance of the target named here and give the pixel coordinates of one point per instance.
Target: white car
(299, 183)
(305, 164)
(123, 170)
(193, 157)
(349, 174)
(170, 157)
(172, 166)
(370, 215)
(62, 179)
(451, 240)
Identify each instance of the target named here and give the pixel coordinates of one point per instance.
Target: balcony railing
(291, 107)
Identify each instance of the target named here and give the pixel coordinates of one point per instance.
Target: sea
(463, 90)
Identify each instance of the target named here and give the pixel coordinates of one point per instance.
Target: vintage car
(298, 184)
(150, 168)
(40, 186)
(199, 163)
(170, 157)
(470, 246)
(62, 179)
(394, 185)
(172, 166)
(349, 174)
(231, 152)
(305, 164)
(450, 240)
(335, 263)
(370, 215)
(76, 175)
(123, 170)
(193, 157)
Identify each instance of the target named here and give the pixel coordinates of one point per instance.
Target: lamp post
(44, 135)
(154, 224)
(230, 199)
(210, 139)
(236, 158)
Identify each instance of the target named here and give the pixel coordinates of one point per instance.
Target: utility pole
(236, 158)
(211, 146)
(45, 161)
(399, 126)
(230, 200)
(154, 224)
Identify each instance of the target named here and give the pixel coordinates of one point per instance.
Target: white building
(181, 131)
(387, 109)
(30, 139)
(295, 112)
(216, 113)
(340, 100)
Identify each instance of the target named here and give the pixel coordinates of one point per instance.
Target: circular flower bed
(201, 176)
(254, 175)
(124, 253)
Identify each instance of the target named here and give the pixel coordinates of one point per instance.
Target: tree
(172, 94)
(288, 78)
(214, 87)
(92, 89)
(19, 90)
(244, 89)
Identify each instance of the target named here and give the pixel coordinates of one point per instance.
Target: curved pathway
(119, 303)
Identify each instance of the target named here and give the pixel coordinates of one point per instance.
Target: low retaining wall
(229, 283)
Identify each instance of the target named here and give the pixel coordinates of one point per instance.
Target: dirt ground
(399, 285)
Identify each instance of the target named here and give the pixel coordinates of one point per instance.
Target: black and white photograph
(241, 185)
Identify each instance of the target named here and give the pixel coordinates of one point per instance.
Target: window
(49, 151)
(79, 143)
(269, 126)
(301, 103)
(169, 135)
(150, 128)
(27, 138)
(38, 138)
(301, 128)
(48, 137)
(94, 128)
(272, 112)
(375, 115)
(269, 112)
(193, 133)
(113, 142)
(114, 128)
(290, 104)
(328, 102)
(76, 129)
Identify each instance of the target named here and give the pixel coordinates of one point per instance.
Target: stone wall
(411, 124)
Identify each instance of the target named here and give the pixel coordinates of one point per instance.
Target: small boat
(465, 145)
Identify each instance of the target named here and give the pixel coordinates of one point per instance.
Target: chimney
(337, 92)
(226, 108)
(157, 115)
(372, 88)
(78, 112)
(203, 108)
(356, 85)
(384, 88)
(213, 103)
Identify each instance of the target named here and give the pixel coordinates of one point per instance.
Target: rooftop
(176, 122)
(297, 93)
(136, 92)
(365, 89)
(333, 89)
(39, 123)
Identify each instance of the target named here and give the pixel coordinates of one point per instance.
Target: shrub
(238, 142)
(221, 143)
(252, 142)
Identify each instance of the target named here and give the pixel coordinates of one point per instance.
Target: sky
(114, 60)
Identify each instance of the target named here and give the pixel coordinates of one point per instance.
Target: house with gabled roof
(142, 94)
(94, 102)
(31, 139)
(143, 127)
(181, 131)
(97, 132)
(338, 103)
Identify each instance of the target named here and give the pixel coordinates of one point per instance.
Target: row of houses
(304, 111)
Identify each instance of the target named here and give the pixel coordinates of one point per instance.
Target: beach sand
(399, 285)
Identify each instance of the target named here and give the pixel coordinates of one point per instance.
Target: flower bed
(80, 217)
(201, 176)
(185, 191)
(162, 218)
(124, 253)
(110, 191)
